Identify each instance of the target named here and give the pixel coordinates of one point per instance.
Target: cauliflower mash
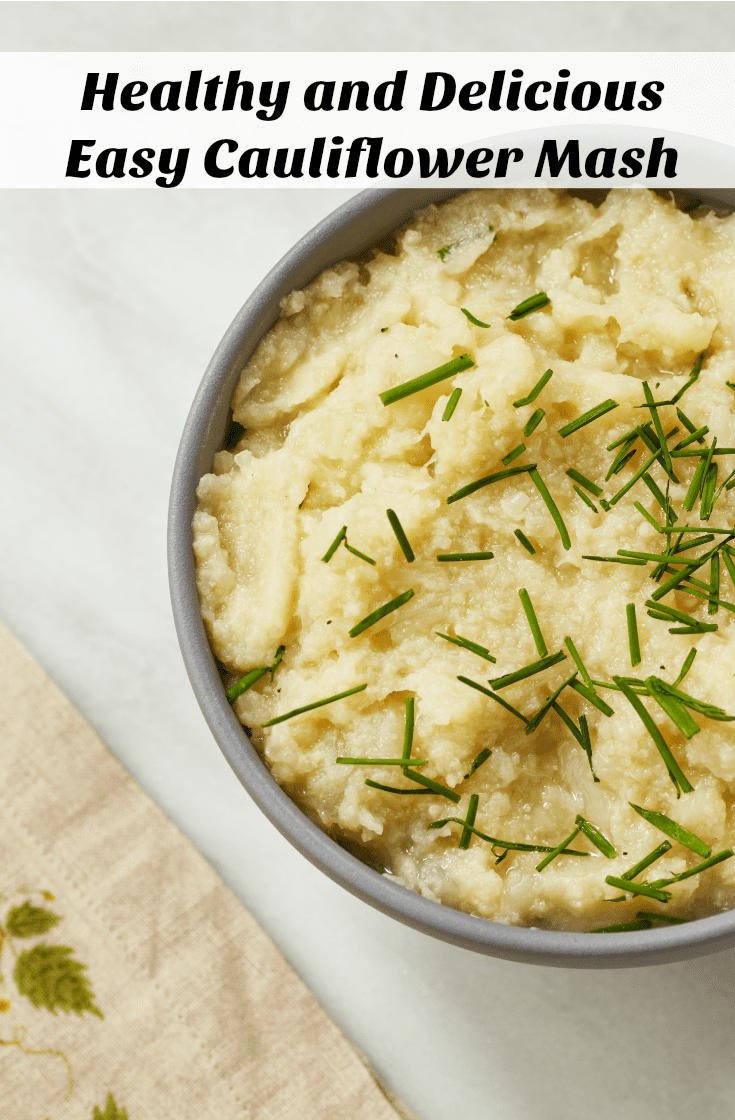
(472, 559)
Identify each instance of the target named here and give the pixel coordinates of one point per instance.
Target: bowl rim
(359, 222)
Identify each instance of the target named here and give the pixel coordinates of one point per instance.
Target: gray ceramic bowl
(359, 223)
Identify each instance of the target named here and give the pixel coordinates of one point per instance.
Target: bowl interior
(360, 223)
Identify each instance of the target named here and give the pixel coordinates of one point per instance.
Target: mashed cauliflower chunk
(637, 291)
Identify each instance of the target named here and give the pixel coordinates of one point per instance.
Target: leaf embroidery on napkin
(112, 1112)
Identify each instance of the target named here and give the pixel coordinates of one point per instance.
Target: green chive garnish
(594, 699)
(576, 731)
(588, 485)
(688, 662)
(498, 699)
(637, 888)
(594, 835)
(558, 850)
(441, 253)
(246, 683)
(616, 560)
(729, 564)
(532, 424)
(277, 661)
(435, 787)
(508, 845)
(400, 535)
(652, 916)
(578, 662)
(465, 643)
(673, 707)
(727, 853)
(538, 482)
(633, 643)
(528, 306)
(622, 457)
(452, 404)
(381, 761)
(471, 814)
(433, 377)
(316, 704)
(543, 380)
(533, 622)
(693, 204)
(659, 429)
(514, 453)
(548, 704)
(640, 867)
(450, 557)
(692, 378)
(488, 480)
(483, 756)
(632, 481)
(528, 670)
(587, 417)
(527, 544)
(361, 555)
(623, 927)
(472, 319)
(586, 742)
(334, 545)
(381, 612)
(585, 498)
(393, 789)
(680, 781)
(408, 730)
(675, 831)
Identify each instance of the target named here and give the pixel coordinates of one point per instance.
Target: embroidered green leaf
(112, 1112)
(30, 921)
(49, 977)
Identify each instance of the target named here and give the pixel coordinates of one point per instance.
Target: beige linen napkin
(133, 985)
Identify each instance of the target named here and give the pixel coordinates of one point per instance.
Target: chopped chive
(714, 582)
(529, 547)
(486, 691)
(435, 787)
(532, 424)
(441, 253)
(673, 707)
(361, 555)
(384, 329)
(623, 927)
(692, 378)
(651, 520)
(586, 743)
(708, 596)
(621, 463)
(400, 535)
(576, 731)
(729, 564)
(730, 385)
(533, 622)
(334, 545)
(588, 485)
(548, 704)
(671, 614)
(450, 557)
(616, 560)
(659, 429)
(626, 452)
(640, 867)
(543, 380)
(528, 670)
(483, 756)
(408, 730)
(658, 495)
(381, 612)
(509, 845)
(593, 698)
(465, 643)
(637, 888)
(452, 404)
(246, 682)
(540, 485)
(498, 476)
(514, 453)
(528, 306)
(632, 481)
(587, 417)
(578, 662)
(466, 836)
(681, 782)
(558, 850)
(316, 704)
(276, 661)
(585, 498)
(632, 434)
(594, 835)
(381, 761)
(695, 437)
(472, 319)
(708, 492)
(693, 204)
(701, 452)
(727, 853)
(674, 830)
(691, 427)
(393, 789)
(433, 377)
(633, 642)
(654, 917)
(702, 706)
(688, 662)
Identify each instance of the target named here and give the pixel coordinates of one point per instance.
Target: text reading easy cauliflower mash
(474, 553)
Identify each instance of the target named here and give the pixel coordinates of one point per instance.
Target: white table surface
(112, 303)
